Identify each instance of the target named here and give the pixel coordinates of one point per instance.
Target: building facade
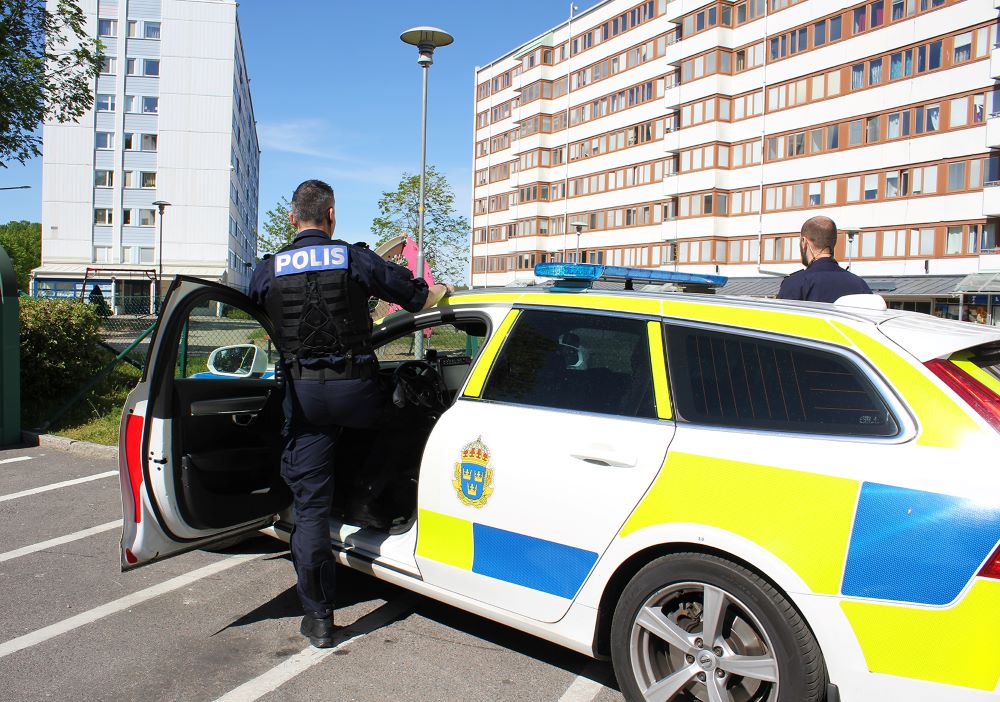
(698, 136)
(172, 121)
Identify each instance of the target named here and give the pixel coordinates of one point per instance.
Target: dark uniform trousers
(318, 410)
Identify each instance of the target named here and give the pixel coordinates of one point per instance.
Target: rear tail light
(133, 460)
(982, 399)
(992, 567)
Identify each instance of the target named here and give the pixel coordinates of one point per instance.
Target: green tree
(446, 234)
(277, 229)
(48, 65)
(23, 243)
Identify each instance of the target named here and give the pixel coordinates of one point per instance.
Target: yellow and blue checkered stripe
(537, 564)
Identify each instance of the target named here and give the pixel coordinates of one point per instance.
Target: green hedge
(59, 351)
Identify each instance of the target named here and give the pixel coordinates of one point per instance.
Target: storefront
(980, 298)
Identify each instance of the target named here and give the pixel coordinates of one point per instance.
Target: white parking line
(16, 459)
(583, 688)
(59, 540)
(286, 670)
(123, 603)
(56, 486)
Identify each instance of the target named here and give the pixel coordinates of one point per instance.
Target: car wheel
(691, 626)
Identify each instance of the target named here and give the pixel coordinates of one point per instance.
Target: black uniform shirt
(382, 279)
(822, 281)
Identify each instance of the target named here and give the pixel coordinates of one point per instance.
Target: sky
(336, 96)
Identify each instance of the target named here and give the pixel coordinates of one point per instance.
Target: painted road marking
(16, 459)
(59, 540)
(56, 486)
(123, 603)
(584, 689)
(277, 676)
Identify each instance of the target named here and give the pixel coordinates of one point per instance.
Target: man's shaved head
(822, 232)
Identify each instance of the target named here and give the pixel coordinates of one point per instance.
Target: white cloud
(306, 137)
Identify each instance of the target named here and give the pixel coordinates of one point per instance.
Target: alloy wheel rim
(694, 642)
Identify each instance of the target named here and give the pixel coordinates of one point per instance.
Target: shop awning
(752, 287)
(980, 283)
(914, 285)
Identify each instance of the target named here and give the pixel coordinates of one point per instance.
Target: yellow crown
(476, 452)
(467, 474)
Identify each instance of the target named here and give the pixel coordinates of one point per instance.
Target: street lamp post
(161, 205)
(426, 39)
(579, 227)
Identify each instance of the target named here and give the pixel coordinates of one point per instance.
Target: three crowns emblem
(473, 481)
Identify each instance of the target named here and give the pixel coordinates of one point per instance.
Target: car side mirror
(239, 361)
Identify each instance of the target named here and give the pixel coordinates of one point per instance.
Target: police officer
(823, 280)
(316, 292)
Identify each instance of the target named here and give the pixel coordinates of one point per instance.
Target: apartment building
(698, 136)
(172, 122)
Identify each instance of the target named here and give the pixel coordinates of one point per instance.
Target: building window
(147, 179)
(956, 176)
(127, 214)
(149, 142)
(105, 140)
(150, 105)
(963, 47)
(104, 179)
(152, 30)
(131, 67)
(131, 142)
(871, 186)
(132, 30)
(147, 218)
(145, 254)
(108, 65)
(103, 215)
(102, 254)
(151, 67)
(105, 103)
(107, 28)
(131, 103)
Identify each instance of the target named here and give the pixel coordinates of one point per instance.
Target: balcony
(991, 198)
(995, 62)
(993, 131)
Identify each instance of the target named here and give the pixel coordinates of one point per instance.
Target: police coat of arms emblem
(473, 475)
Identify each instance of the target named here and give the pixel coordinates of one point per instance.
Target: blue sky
(337, 96)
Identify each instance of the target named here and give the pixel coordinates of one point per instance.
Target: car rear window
(583, 362)
(741, 381)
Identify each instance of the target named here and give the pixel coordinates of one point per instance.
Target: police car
(732, 499)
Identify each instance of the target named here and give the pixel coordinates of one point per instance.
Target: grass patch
(96, 416)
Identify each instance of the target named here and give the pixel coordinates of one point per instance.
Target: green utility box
(10, 354)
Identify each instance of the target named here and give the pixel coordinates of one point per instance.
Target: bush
(59, 351)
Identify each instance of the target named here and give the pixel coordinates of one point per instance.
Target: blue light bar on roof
(592, 271)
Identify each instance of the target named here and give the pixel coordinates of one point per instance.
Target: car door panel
(199, 455)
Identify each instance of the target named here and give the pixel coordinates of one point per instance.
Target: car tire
(761, 648)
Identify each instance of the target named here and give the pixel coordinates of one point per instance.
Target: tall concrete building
(698, 136)
(172, 121)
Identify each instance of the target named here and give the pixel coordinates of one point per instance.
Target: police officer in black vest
(316, 292)
(823, 280)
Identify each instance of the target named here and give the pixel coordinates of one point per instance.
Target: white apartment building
(698, 136)
(172, 121)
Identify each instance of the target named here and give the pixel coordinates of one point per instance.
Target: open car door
(200, 439)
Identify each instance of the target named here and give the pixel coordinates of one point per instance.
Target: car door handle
(605, 457)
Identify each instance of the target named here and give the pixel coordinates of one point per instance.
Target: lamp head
(426, 39)
(578, 226)
(161, 205)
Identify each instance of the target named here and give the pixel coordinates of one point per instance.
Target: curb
(81, 448)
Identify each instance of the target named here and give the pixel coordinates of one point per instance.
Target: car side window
(583, 362)
(220, 340)
(739, 381)
(444, 338)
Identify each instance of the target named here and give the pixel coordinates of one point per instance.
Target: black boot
(319, 630)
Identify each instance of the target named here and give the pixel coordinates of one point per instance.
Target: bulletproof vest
(317, 309)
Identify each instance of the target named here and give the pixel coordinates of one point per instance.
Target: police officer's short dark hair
(311, 201)
(821, 231)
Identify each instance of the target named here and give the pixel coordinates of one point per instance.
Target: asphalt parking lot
(224, 626)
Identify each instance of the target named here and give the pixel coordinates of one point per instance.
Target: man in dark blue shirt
(316, 291)
(823, 280)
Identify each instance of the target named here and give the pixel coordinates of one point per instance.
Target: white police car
(733, 499)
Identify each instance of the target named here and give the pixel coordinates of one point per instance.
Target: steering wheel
(419, 384)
